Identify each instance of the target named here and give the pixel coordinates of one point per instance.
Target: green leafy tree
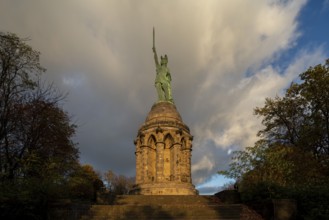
(301, 118)
(296, 124)
(84, 183)
(292, 156)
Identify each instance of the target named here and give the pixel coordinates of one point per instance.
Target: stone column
(159, 156)
(183, 166)
(172, 162)
(188, 158)
(159, 161)
(139, 159)
(145, 164)
(188, 165)
(177, 155)
(138, 168)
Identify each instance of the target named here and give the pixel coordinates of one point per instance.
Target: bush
(312, 201)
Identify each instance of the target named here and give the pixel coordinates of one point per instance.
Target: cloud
(234, 126)
(209, 190)
(221, 56)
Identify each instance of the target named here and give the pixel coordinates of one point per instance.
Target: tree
(37, 153)
(297, 123)
(292, 155)
(300, 119)
(118, 184)
(35, 133)
(315, 89)
(245, 161)
(44, 131)
(19, 68)
(109, 178)
(84, 183)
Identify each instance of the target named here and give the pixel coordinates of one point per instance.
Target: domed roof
(163, 111)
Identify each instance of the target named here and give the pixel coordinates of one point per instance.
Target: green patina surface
(163, 77)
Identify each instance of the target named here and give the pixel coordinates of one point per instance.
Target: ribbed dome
(163, 111)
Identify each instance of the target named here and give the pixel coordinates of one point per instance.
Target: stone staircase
(162, 207)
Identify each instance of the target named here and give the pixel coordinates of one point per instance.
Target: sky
(225, 58)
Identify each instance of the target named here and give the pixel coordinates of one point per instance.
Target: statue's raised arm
(154, 50)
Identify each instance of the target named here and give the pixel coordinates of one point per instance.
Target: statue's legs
(161, 94)
(167, 91)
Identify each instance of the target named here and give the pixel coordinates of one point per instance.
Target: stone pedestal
(163, 153)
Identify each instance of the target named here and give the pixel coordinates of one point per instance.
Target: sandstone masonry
(163, 153)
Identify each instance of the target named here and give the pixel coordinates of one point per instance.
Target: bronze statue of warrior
(163, 77)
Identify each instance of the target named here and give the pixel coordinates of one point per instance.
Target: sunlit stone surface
(163, 153)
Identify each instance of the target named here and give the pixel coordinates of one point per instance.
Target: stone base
(165, 189)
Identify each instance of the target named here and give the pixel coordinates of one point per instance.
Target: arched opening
(168, 141)
(151, 159)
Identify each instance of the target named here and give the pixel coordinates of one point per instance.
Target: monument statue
(163, 77)
(163, 144)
